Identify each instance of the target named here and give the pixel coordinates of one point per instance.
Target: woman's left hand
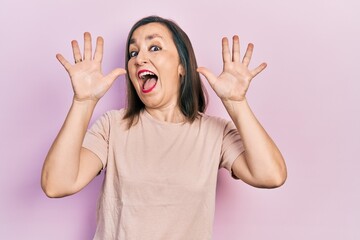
(233, 83)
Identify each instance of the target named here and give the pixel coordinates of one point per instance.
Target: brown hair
(192, 97)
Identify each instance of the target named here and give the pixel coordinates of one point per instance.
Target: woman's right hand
(87, 79)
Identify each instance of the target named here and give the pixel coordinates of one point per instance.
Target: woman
(161, 153)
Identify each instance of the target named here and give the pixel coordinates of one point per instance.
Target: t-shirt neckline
(164, 123)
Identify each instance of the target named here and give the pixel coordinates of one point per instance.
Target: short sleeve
(97, 138)
(232, 147)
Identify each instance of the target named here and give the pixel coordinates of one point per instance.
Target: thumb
(113, 75)
(207, 74)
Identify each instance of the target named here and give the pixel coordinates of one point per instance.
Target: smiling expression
(154, 66)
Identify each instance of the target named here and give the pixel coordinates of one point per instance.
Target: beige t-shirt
(160, 177)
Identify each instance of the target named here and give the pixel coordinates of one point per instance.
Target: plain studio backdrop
(308, 100)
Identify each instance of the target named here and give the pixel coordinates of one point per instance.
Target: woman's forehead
(151, 31)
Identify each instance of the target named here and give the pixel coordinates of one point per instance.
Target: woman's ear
(181, 70)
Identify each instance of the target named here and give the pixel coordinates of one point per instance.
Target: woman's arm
(262, 164)
(68, 167)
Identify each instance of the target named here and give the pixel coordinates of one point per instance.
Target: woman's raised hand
(87, 79)
(233, 83)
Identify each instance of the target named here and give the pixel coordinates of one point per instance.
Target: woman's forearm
(263, 158)
(61, 165)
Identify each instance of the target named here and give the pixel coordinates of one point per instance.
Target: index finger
(225, 50)
(99, 49)
(248, 54)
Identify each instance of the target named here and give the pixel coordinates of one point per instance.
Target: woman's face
(154, 66)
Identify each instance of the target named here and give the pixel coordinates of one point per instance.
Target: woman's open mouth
(147, 81)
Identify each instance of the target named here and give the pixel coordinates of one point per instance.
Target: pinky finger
(259, 69)
(63, 61)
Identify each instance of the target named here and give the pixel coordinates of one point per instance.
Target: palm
(233, 82)
(87, 79)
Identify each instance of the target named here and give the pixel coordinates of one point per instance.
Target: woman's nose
(142, 58)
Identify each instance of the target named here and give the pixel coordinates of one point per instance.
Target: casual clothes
(160, 179)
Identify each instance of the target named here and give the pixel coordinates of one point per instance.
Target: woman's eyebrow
(147, 38)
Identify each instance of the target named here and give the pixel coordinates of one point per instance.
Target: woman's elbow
(51, 189)
(277, 179)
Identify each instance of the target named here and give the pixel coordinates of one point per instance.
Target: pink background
(307, 99)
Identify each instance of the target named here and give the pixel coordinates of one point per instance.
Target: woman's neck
(168, 114)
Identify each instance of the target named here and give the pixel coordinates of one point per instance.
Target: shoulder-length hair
(192, 97)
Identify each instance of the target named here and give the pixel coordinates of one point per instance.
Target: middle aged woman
(161, 153)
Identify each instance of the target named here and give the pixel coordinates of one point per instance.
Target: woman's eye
(133, 54)
(155, 48)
